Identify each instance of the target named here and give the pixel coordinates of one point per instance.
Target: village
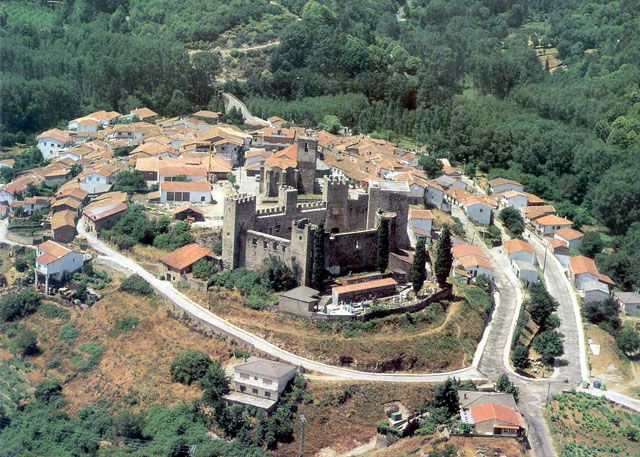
(342, 218)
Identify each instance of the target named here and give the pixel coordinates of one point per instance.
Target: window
(267, 394)
(243, 389)
(202, 199)
(267, 382)
(254, 391)
(244, 376)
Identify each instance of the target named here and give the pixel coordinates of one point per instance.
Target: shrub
(204, 269)
(25, 342)
(89, 356)
(520, 357)
(136, 285)
(628, 340)
(178, 235)
(124, 325)
(130, 182)
(512, 220)
(19, 304)
(68, 333)
(214, 383)
(549, 344)
(48, 390)
(54, 312)
(189, 366)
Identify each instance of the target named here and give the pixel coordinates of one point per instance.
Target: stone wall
(351, 251)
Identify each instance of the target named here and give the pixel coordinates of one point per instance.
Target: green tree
(131, 182)
(504, 384)
(591, 245)
(444, 258)
(628, 340)
(446, 396)
(431, 165)
(189, 366)
(513, 221)
(331, 124)
(549, 344)
(418, 272)
(520, 357)
(25, 342)
(540, 305)
(48, 390)
(215, 383)
(317, 269)
(277, 275)
(383, 245)
(204, 269)
(16, 305)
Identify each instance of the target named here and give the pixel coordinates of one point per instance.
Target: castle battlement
(311, 205)
(335, 180)
(271, 211)
(284, 188)
(241, 198)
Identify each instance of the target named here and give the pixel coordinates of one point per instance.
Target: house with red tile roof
(362, 291)
(52, 141)
(548, 225)
(177, 264)
(63, 226)
(519, 250)
(103, 216)
(54, 259)
(189, 191)
(494, 419)
(502, 185)
(583, 270)
(572, 237)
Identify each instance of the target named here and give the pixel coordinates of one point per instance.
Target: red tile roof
(367, 285)
(464, 250)
(553, 220)
(512, 246)
(581, 264)
(187, 186)
(56, 134)
(185, 256)
(569, 234)
(496, 412)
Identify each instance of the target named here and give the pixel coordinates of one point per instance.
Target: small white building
(525, 271)
(499, 185)
(513, 199)
(54, 260)
(475, 266)
(421, 220)
(52, 141)
(595, 291)
(188, 172)
(572, 237)
(629, 302)
(584, 270)
(548, 225)
(434, 195)
(519, 250)
(259, 382)
(477, 210)
(6, 196)
(189, 191)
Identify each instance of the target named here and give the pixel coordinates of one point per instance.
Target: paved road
(165, 288)
(230, 101)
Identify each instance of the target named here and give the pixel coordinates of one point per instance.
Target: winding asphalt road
(231, 101)
(120, 261)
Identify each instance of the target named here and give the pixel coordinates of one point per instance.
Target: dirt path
(257, 47)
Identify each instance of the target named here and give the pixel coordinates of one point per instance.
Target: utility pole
(303, 421)
(548, 391)
(544, 263)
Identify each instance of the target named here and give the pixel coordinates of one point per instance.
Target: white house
(476, 266)
(189, 172)
(54, 260)
(6, 196)
(629, 302)
(479, 211)
(421, 221)
(434, 195)
(189, 191)
(513, 199)
(519, 250)
(583, 270)
(52, 141)
(499, 185)
(450, 183)
(525, 271)
(259, 382)
(99, 180)
(595, 291)
(572, 237)
(548, 225)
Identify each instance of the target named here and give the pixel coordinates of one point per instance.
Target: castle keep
(251, 235)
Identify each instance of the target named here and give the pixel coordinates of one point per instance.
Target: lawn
(583, 425)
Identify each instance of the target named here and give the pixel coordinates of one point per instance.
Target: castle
(251, 235)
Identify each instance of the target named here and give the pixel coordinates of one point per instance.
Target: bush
(136, 285)
(130, 182)
(214, 383)
(549, 344)
(628, 340)
(124, 325)
(189, 366)
(178, 235)
(25, 342)
(17, 305)
(512, 220)
(68, 333)
(520, 357)
(54, 312)
(204, 269)
(48, 390)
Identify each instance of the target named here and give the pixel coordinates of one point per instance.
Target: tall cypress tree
(418, 270)
(444, 258)
(383, 245)
(317, 269)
